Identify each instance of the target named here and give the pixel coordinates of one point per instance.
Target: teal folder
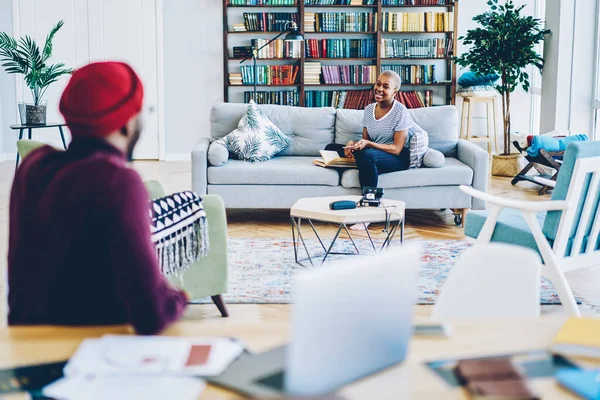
(585, 383)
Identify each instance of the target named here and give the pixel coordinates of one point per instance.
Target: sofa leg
(218, 300)
(460, 214)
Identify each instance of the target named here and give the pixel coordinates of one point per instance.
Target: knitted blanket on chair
(179, 231)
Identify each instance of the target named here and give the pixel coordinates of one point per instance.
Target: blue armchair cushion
(470, 78)
(511, 228)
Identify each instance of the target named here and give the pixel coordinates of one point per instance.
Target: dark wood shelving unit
(449, 81)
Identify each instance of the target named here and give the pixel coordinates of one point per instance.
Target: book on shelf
(578, 337)
(415, 48)
(278, 48)
(340, 22)
(235, 78)
(330, 158)
(312, 72)
(262, 2)
(239, 27)
(418, 21)
(349, 74)
(268, 21)
(338, 2)
(416, 2)
(339, 48)
(281, 97)
(269, 74)
(415, 74)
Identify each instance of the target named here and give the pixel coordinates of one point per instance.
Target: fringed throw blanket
(179, 231)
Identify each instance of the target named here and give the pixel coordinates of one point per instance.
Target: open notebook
(331, 158)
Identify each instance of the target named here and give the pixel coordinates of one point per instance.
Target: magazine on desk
(331, 159)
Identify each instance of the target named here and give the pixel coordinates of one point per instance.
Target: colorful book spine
(416, 48)
(269, 74)
(283, 97)
(268, 22)
(339, 48)
(415, 74)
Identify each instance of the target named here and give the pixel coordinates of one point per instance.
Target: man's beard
(134, 139)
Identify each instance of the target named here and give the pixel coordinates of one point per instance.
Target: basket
(507, 165)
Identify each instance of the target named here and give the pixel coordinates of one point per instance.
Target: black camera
(371, 196)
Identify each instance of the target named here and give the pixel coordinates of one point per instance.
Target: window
(596, 104)
(536, 77)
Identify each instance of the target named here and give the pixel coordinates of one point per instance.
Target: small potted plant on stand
(25, 57)
(505, 45)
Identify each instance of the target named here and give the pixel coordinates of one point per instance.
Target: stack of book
(309, 22)
(242, 51)
(239, 27)
(312, 72)
(339, 2)
(235, 79)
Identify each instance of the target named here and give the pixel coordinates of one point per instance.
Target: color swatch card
(162, 355)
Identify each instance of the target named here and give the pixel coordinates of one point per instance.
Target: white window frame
(539, 12)
(596, 102)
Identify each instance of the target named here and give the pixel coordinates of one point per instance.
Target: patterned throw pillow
(256, 138)
(417, 146)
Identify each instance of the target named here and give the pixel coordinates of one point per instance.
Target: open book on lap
(331, 158)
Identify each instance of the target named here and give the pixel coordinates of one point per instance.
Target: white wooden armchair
(565, 230)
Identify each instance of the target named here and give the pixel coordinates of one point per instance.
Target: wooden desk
(409, 380)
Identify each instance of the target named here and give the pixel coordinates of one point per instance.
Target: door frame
(162, 142)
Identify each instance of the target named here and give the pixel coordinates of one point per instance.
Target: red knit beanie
(100, 98)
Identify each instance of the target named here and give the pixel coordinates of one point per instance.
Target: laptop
(349, 319)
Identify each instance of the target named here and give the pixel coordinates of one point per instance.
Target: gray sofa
(279, 182)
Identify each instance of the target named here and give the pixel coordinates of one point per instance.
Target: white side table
(317, 209)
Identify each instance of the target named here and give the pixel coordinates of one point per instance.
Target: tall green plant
(504, 44)
(25, 57)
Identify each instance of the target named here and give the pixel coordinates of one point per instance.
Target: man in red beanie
(79, 250)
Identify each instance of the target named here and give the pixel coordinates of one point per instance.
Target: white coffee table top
(317, 208)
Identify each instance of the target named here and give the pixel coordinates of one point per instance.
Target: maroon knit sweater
(79, 249)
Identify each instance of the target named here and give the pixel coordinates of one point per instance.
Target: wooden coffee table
(317, 209)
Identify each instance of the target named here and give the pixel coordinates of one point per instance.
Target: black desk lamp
(292, 35)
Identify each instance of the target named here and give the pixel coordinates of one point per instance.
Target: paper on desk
(115, 355)
(125, 387)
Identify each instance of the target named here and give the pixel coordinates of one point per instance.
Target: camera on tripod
(371, 196)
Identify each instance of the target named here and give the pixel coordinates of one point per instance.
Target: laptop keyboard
(275, 381)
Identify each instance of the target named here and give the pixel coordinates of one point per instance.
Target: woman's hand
(362, 144)
(348, 151)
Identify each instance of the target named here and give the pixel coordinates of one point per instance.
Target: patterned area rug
(262, 270)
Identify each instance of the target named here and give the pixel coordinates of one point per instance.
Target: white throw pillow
(256, 138)
(433, 159)
(417, 145)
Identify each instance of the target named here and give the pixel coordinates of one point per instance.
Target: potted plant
(25, 57)
(505, 45)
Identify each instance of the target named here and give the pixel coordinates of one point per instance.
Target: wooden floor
(420, 224)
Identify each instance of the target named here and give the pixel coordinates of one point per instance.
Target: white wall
(8, 108)
(193, 61)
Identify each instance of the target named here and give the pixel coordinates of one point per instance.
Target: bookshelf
(416, 40)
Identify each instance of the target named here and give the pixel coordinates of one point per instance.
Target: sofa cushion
(311, 129)
(256, 138)
(284, 170)
(440, 123)
(217, 153)
(452, 173)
